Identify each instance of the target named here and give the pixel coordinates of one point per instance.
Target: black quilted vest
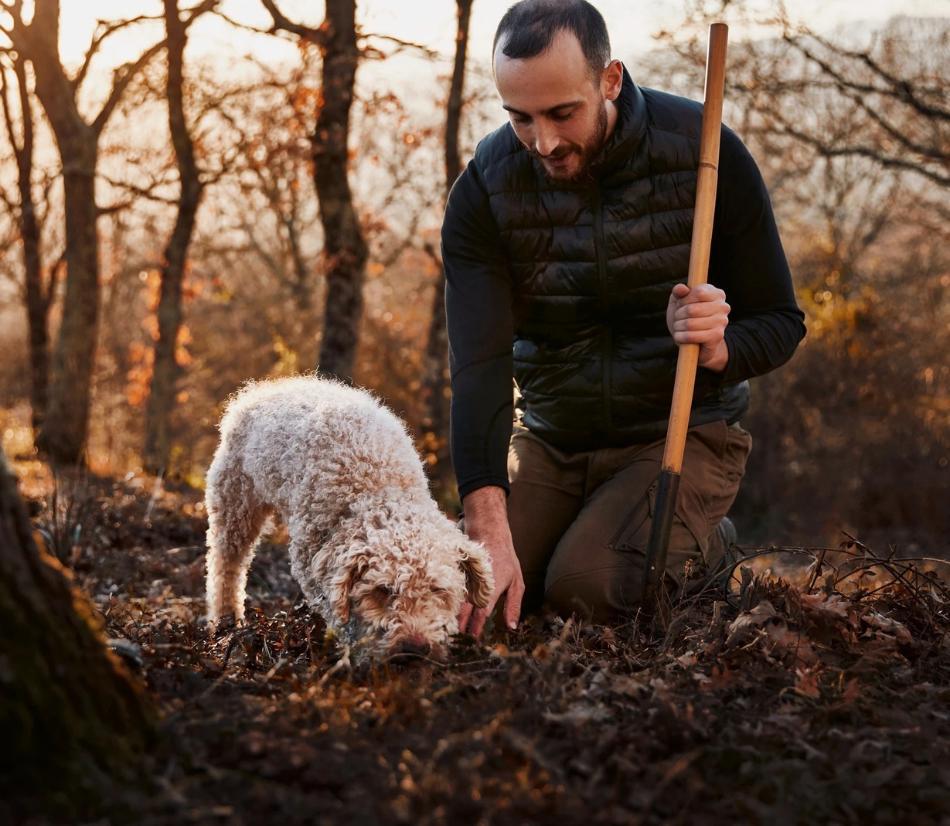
(592, 266)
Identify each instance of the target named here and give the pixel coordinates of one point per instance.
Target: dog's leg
(235, 518)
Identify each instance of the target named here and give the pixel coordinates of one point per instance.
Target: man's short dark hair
(529, 27)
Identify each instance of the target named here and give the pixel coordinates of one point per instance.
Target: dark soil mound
(817, 702)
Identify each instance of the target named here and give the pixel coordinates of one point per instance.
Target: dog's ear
(479, 582)
(354, 573)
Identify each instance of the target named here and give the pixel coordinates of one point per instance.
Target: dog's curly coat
(370, 548)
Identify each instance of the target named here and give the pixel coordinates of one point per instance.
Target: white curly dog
(370, 548)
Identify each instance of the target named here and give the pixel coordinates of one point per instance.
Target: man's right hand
(486, 521)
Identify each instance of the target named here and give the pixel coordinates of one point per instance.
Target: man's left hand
(700, 316)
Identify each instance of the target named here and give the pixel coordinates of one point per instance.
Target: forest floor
(823, 697)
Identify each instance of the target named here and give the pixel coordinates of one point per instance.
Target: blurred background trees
(161, 395)
(853, 135)
(63, 429)
(321, 182)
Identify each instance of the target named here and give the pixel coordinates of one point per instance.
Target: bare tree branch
(124, 74)
(897, 133)
(7, 116)
(197, 11)
(56, 271)
(146, 192)
(15, 9)
(829, 150)
(104, 29)
(239, 25)
(316, 36)
(402, 46)
(11, 203)
(900, 88)
(121, 79)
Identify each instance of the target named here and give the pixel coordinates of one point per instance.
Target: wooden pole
(688, 357)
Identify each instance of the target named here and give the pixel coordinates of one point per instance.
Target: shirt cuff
(465, 488)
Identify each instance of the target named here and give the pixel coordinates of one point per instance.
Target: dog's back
(314, 436)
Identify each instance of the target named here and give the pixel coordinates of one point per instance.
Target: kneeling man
(566, 246)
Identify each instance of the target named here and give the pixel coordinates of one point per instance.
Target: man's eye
(521, 121)
(562, 117)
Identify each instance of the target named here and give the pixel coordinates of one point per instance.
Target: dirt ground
(823, 701)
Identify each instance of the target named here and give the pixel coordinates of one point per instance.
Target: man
(566, 245)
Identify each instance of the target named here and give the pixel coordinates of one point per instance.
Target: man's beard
(587, 153)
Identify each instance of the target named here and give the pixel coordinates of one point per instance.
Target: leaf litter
(822, 695)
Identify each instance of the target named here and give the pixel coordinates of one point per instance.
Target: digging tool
(688, 357)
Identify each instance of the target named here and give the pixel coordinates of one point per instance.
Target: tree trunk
(453, 119)
(345, 250)
(63, 435)
(37, 297)
(74, 724)
(165, 371)
(37, 314)
(436, 379)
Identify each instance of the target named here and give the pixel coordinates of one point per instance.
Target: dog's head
(401, 592)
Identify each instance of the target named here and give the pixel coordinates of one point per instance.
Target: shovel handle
(688, 356)
(703, 216)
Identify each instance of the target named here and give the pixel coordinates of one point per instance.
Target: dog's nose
(415, 646)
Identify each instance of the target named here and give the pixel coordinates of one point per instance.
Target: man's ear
(612, 80)
(479, 582)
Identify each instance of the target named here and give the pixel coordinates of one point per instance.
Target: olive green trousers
(581, 521)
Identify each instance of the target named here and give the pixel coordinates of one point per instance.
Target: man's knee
(597, 595)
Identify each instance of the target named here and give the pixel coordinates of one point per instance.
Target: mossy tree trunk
(73, 723)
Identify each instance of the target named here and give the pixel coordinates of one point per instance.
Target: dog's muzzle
(412, 647)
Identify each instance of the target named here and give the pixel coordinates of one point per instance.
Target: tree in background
(271, 123)
(74, 723)
(165, 368)
(435, 381)
(851, 131)
(344, 250)
(39, 283)
(66, 422)
(254, 276)
(879, 94)
(899, 118)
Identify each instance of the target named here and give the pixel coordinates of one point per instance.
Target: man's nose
(545, 140)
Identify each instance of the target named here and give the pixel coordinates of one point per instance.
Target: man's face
(556, 107)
